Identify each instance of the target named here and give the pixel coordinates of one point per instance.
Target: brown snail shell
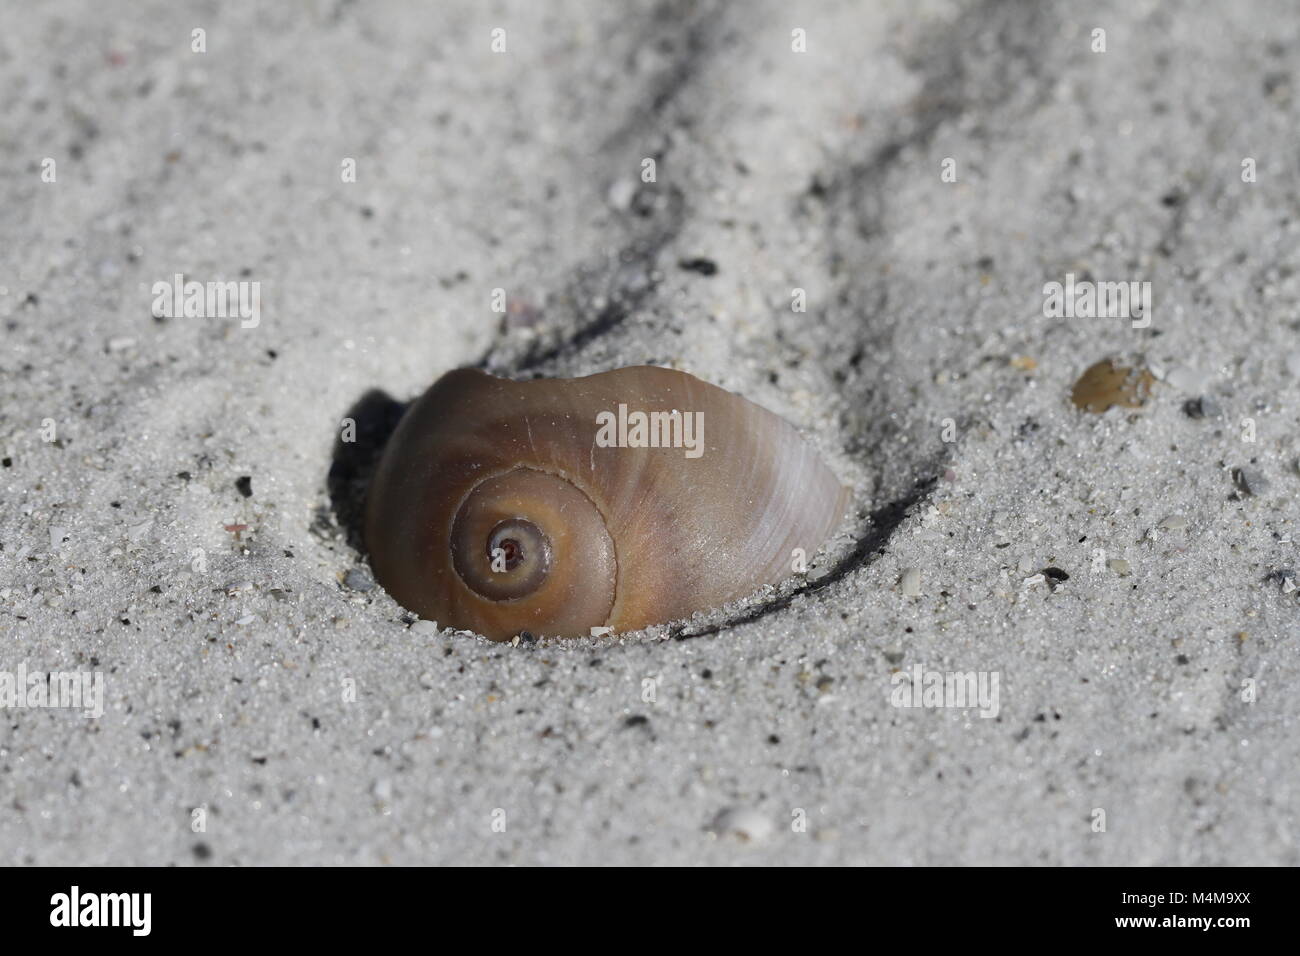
(496, 509)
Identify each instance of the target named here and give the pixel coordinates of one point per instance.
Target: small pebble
(701, 265)
(746, 825)
(358, 580)
(1284, 578)
(1054, 577)
(425, 628)
(1249, 481)
(1174, 523)
(910, 582)
(1119, 566)
(1106, 384)
(1203, 407)
(621, 193)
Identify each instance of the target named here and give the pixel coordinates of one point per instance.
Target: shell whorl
(527, 540)
(483, 470)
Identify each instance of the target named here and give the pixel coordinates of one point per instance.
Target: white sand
(820, 170)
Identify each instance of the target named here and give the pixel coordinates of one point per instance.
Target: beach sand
(178, 514)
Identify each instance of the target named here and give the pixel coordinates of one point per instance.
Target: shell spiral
(497, 507)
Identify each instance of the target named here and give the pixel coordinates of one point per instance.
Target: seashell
(503, 507)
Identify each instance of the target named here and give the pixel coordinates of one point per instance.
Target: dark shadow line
(882, 524)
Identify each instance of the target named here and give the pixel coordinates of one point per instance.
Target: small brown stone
(1106, 384)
